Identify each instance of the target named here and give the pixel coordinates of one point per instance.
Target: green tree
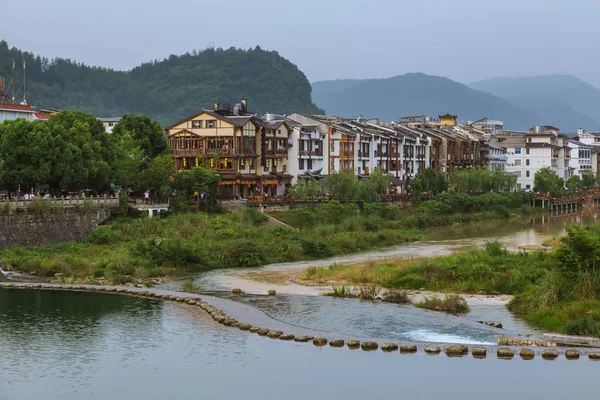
(147, 134)
(128, 162)
(432, 181)
(197, 180)
(375, 186)
(29, 154)
(88, 151)
(574, 183)
(482, 180)
(588, 180)
(342, 186)
(304, 190)
(416, 186)
(158, 175)
(547, 181)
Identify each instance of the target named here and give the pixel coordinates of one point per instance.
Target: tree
(482, 180)
(88, 151)
(197, 180)
(342, 186)
(29, 154)
(158, 175)
(432, 181)
(375, 186)
(304, 190)
(147, 134)
(574, 183)
(547, 181)
(129, 159)
(588, 180)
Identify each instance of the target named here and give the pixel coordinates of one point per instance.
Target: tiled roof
(43, 116)
(21, 107)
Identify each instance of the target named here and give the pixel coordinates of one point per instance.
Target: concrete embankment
(250, 320)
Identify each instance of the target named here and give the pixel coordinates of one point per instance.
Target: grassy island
(557, 290)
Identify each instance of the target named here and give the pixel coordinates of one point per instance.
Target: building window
(518, 150)
(527, 186)
(518, 186)
(517, 162)
(196, 124)
(518, 174)
(309, 164)
(527, 174)
(527, 162)
(301, 164)
(211, 123)
(527, 151)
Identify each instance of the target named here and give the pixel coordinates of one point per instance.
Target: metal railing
(65, 201)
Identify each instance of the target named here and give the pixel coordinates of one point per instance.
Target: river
(61, 345)
(300, 305)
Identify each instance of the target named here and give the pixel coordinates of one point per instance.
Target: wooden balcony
(311, 153)
(279, 152)
(186, 152)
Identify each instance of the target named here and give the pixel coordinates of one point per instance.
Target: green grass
(131, 248)
(490, 270)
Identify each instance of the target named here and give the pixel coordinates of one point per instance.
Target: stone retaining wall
(195, 302)
(36, 230)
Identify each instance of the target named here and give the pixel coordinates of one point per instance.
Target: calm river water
(94, 346)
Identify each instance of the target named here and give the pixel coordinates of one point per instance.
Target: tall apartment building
(528, 152)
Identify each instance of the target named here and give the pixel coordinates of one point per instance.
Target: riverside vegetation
(557, 291)
(137, 248)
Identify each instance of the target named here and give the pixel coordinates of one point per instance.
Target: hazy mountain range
(178, 86)
(560, 100)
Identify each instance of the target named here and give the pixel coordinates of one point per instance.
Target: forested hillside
(165, 90)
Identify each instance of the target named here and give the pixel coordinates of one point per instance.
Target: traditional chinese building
(249, 152)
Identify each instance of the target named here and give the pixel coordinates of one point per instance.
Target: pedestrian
(147, 196)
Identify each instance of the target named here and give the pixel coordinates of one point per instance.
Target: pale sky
(465, 40)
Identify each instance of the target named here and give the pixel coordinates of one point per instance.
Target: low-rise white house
(109, 123)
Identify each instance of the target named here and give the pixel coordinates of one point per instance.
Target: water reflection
(164, 351)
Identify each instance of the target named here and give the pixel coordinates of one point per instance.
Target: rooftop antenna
(13, 74)
(24, 81)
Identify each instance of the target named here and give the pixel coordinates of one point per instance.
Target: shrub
(315, 248)
(341, 291)
(396, 296)
(366, 292)
(104, 235)
(188, 286)
(451, 304)
(246, 254)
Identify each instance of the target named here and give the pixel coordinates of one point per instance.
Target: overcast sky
(465, 40)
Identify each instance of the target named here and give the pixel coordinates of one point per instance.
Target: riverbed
(301, 305)
(60, 345)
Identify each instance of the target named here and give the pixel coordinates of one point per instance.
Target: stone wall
(34, 230)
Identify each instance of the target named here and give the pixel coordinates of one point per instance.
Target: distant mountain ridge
(412, 94)
(421, 94)
(166, 90)
(564, 100)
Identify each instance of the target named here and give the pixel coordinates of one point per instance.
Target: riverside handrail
(64, 201)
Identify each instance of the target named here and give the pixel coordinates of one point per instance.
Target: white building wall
(581, 159)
